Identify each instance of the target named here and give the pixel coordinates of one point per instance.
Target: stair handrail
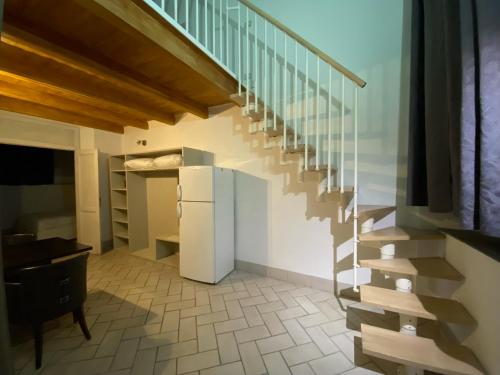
(237, 72)
(326, 58)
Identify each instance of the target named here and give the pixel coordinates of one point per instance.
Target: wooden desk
(39, 252)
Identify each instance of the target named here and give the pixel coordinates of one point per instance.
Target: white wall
(479, 293)
(366, 37)
(278, 220)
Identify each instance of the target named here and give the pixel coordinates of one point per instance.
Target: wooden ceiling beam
(31, 92)
(53, 76)
(21, 39)
(132, 18)
(39, 110)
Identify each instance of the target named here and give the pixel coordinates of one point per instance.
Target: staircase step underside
(401, 234)
(421, 306)
(366, 211)
(321, 168)
(427, 267)
(299, 150)
(420, 352)
(278, 132)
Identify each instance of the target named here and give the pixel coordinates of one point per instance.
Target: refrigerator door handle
(179, 210)
(179, 192)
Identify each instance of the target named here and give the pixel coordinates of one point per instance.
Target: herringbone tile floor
(145, 319)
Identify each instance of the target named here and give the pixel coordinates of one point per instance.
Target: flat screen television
(21, 165)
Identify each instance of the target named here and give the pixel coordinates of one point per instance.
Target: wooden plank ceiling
(104, 64)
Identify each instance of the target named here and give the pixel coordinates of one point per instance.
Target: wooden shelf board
(122, 208)
(119, 189)
(420, 352)
(168, 238)
(123, 221)
(153, 170)
(401, 234)
(118, 170)
(428, 267)
(421, 306)
(121, 235)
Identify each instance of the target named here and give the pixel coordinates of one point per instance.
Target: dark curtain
(454, 137)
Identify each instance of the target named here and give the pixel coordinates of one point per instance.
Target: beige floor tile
(230, 325)
(303, 369)
(74, 355)
(236, 295)
(128, 322)
(177, 350)
(251, 358)
(352, 352)
(228, 349)
(197, 362)
(138, 310)
(307, 304)
(217, 303)
(322, 340)
(195, 311)
(201, 298)
(251, 334)
(298, 334)
(234, 309)
(206, 338)
(273, 323)
(275, 364)
(179, 305)
(332, 364)
(301, 353)
(144, 362)
(271, 306)
(312, 320)
(251, 301)
(166, 367)
(159, 339)
(335, 328)
(170, 321)
(187, 329)
(291, 313)
(141, 331)
(275, 343)
(109, 344)
(88, 367)
(125, 354)
(252, 316)
(214, 317)
(235, 368)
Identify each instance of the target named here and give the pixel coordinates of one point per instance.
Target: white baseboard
(284, 275)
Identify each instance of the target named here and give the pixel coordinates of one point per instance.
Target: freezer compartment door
(196, 184)
(196, 231)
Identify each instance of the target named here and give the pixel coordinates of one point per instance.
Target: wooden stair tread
(421, 306)
(428, 267)
(400, 234)
(420, 352)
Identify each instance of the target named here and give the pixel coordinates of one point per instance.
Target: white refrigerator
(206, 222)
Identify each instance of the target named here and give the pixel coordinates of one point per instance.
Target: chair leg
(37, 333)
(79, 315)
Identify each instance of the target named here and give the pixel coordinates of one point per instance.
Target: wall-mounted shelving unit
(143, 202)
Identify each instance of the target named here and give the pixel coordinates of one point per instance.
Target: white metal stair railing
(272, 66)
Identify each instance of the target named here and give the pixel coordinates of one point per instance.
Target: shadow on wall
(251, 208)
